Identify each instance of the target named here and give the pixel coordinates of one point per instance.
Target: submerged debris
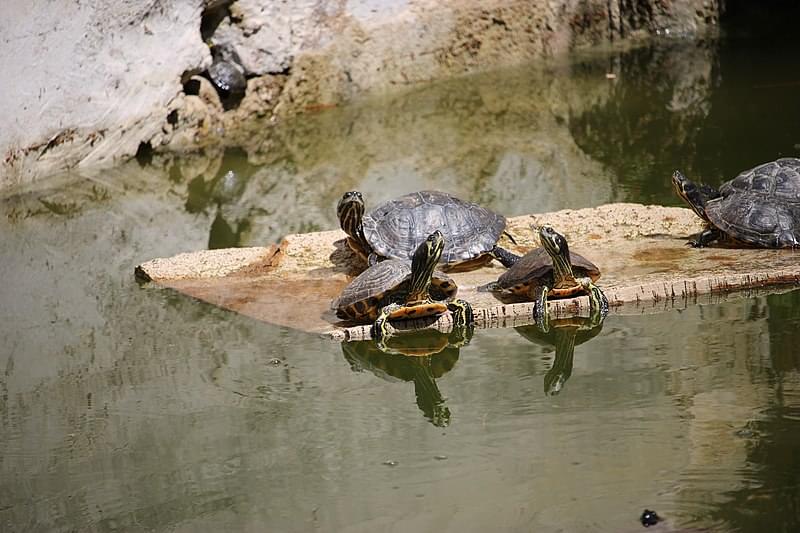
(649, 518)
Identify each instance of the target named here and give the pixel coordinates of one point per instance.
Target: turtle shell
(227, 77)
(226, 71)
(384, 282)
(536, 267)
(761, 206)
(395, 228)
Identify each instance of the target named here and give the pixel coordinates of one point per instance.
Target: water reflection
(771, 502)
(546, 138)
(420, 357)
(124, 408)
(714, 108)
(542, 138)
(784, 332)
(219, 188)
(562, 336)
(654, 117)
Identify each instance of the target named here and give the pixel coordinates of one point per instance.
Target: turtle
(227, 74)
(395, 289)
(551, 271)
(649, 518)
(395, 228)
(760, 207)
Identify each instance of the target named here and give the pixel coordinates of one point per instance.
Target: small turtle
(394, 289)
(551, 271)
(759, 207)
(649, 518)
(227, 74)
(395, 228)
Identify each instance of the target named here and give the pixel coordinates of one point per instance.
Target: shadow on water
(420, 357)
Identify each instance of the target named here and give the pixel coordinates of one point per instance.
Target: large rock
(92, 84)
(85, 83)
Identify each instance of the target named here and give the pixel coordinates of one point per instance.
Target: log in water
(641, 250)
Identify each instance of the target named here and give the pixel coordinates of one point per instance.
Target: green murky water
(128, 408)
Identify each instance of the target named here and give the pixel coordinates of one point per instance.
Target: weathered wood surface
(640, 249)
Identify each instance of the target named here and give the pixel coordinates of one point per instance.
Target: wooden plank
(641, 251)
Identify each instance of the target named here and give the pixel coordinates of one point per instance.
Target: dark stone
(649, 518)
(144, 154)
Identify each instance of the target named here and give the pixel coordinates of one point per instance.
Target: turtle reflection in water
(562, 334)
(759, 207)
(421, 358)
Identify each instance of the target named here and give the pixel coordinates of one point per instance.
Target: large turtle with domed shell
(395, 289)
(395, 228)
(759, 207)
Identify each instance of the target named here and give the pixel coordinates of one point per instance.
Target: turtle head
(350, 211)
(557, 248)
(423, 263)
(693, 194)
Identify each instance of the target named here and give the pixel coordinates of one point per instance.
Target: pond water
(129, 408)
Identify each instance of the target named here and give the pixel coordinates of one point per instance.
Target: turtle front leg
(540, 312)
(598, 303)
(463, 320)
(462, 312)
(704, 238)
(380, 328)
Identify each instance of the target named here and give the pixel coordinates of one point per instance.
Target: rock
(97, 101)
